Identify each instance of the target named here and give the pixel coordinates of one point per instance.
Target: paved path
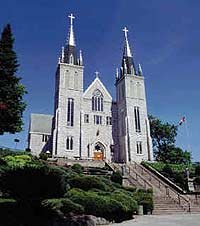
(164, 220)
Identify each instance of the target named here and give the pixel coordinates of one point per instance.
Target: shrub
(63, 205)
(33, 183)
(77, 168)
(167, 170)
(117, 177)
(87, 182)
(197, 180)
(145, 198)
(197, 170)
(111, 207)
(43, 156)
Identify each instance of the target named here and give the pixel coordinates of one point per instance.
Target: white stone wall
(130, 93)
(92, 133)
(70, 85)
(36, 144)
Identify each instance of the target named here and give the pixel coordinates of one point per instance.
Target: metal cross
(71, 16)
(125, 30)
(97, 74)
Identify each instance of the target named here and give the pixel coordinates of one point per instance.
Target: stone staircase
(168, 198)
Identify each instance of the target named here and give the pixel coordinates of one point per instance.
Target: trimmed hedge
(63, 205)
(111, 207)
(87, 182)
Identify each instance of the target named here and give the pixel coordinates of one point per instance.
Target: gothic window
(137, 119)
(86, 118)
(139, 147)
(97, 101)
(108, 120)
(97, 119)
(70, 112)
(71, 59)
(69, 143)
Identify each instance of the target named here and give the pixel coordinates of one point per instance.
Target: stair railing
(169, 191)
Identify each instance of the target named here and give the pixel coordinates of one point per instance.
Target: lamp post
(16, 141)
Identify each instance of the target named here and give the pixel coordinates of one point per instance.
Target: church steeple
(69, 54)
(127, 60)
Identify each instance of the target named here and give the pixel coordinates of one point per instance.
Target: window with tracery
(97, 101)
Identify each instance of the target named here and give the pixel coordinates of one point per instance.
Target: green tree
(163, 138)
(163, 135)
(11, 90)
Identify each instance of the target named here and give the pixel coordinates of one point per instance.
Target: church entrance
(99, 152)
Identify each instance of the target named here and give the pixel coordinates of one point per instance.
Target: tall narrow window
(71, 59)
(139, 147)
(137, 119)
(69, 143)
(86, 118)
(97, 119)
(70, 112)
(97, 101)
(108, 120)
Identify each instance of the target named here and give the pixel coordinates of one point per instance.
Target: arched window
(97, 101)
(69, 143)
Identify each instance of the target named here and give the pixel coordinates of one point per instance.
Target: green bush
(5, 152)
(197, 170)
(107, 206)
(43, 156)
(117, 177)
(33, 182)
(87, 182)
(197, 180)
(63, 205)
(77, 168)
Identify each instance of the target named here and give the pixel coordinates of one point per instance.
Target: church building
(89, 124)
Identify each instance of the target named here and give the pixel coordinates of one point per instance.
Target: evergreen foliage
(11, 90)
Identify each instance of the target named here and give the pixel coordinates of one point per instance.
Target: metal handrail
(168, 189)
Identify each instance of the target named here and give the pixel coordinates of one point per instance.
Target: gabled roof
(97, 84)
(40, 123)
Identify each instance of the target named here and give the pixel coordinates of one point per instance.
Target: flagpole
(188, 138)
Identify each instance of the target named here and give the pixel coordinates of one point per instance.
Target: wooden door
(98, 156)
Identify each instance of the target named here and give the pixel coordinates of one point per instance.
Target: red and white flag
(182, 121)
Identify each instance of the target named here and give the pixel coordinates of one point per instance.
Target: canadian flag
(182, 121)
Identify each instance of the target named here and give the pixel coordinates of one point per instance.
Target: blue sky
(163, 35)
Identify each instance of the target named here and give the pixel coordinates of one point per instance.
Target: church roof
(97, 84)
(40, 123)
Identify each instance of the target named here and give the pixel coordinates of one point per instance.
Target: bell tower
(68, 100)
(134, 133)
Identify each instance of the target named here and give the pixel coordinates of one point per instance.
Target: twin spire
(69, 55)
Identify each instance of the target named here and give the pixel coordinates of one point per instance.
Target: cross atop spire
(127, 50)
(125, 30)
(71, 40)
(97, 74)
(71, 16)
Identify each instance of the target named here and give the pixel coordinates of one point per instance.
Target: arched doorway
(99, 152)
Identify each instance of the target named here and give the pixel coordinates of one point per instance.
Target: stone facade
(88, 124)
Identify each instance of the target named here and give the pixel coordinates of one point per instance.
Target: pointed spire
(127, 60)
(125, 67)
(62, 54)
(71, 40)
(140, 72)
(127, 50)
(117, 73)
(80, 58)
